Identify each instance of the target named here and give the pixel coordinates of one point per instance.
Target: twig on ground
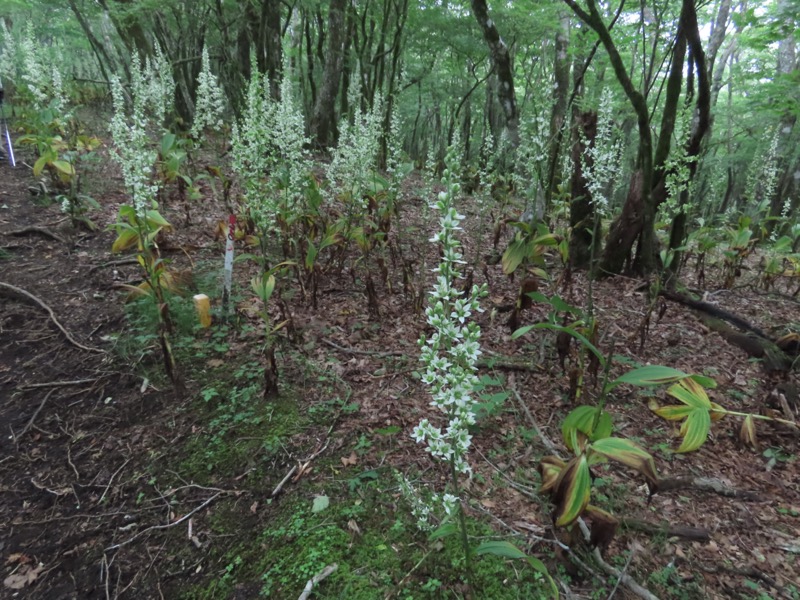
(111, 480)
(628, 581)
(362, 352)
(35, 414)
(166, 526)
(316, 580)
(115, 263)
(624, 570)
(279, 487)
(31, 386)
(12, 290)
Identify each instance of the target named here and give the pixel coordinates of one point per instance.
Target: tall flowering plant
(451, 352)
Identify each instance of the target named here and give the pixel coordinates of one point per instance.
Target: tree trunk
(323, 121)
(581, 214)
(561, 73)
(502, 64)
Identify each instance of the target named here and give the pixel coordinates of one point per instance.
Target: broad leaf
(695, 430)
(674, 412)
(126, 239)
(320, 504)
(550, 468)
(747, 435)
(650, 375)
(629, 454)
(444, 530)
(517, 251)
(589, 420)
(572, 491)
(690, 393)
(500, 548)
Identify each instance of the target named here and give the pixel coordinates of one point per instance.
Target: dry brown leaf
(254, 507)
(24, 576)
(350, 460)
(215, 362)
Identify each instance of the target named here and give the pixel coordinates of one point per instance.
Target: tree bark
(323, 121)
(581, 214)
(501, 58)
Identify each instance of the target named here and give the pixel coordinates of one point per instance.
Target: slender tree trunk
(323, 121)
(501, 58)
(561, 73)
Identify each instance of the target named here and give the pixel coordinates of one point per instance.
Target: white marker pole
(228, 273)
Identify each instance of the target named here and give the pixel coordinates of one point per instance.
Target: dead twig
(166, 526)
(111, 480)
(13, 291)
(32, 386)
(316, 580)
(35, 414)
(362, 352)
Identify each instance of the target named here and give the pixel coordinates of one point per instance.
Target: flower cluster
(678, 166)
(423, 508)
(160, 88)
(451, 352)
(129, 130)
(531, 156)
(210, 105)
(356, 154)
(268, 153)
(604, 156)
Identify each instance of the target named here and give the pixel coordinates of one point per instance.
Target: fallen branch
(13, 291)
(316, 580)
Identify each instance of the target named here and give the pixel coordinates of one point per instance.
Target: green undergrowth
(368, 532)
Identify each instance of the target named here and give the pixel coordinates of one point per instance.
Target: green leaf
(517, 251)
(443, 531)
(629, 454)
(39, 165)
(674, 412)
(320, 504)
(695, 430)
(706, 382)
(155, 218)
(500, 548)
(690, 393)
(650, 375)
(127, 238)
(583, 419)
(64, 166)
(521, 331)
(573, 491)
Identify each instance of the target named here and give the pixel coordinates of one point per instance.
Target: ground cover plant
(399, 300)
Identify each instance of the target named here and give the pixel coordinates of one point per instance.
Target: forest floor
(110, 487)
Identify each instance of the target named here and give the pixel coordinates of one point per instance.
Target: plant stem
(462, 521)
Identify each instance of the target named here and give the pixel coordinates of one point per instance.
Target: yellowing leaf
(550, 468)
(690, 393)
(695, 430)
(572, 491)
(126, 239)
(629, 454)
(747, 434)
(674, 412)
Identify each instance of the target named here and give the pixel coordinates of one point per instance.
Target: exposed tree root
(687, 533)
(12, 291)
(40, 230)
(704, 484)
(755, 342)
